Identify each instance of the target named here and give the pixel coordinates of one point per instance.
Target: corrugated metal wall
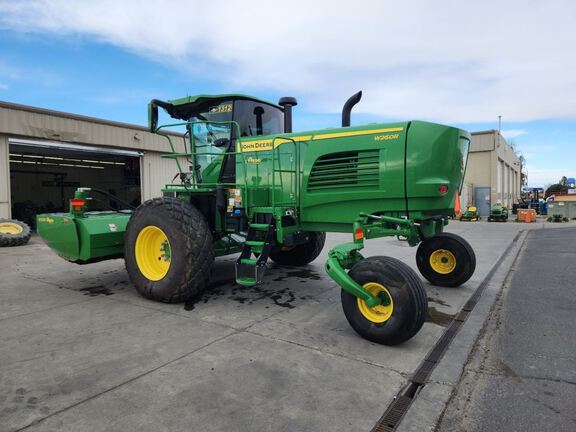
(482, 142)
(157, 172)
(4, 178)
(467, 196)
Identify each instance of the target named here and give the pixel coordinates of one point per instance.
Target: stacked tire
(14, 233)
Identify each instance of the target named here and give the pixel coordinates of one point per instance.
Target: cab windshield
(254, 119)
(205, 129)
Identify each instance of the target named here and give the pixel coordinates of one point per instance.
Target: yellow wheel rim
(10, 228)
(153, 253)
(379, 313)
(442, 261)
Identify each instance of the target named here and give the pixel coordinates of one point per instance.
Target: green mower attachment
(84, 237)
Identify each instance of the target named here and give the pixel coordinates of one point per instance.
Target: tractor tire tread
(411, 283)
(20, 239)
(301, 254)
(198, 251)
(443, 280)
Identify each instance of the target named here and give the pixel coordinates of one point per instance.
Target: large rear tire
(14, 233)
(405, 314)
(301, 254)
(446, 259)
(168, 250)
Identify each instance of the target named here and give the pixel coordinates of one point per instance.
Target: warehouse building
(493, 173)
(45, 155)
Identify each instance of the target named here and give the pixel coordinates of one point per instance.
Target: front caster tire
(446, 259)
(301, 254)
(397, 321)
(168, 250)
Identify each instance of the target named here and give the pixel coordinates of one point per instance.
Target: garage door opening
(44, 176)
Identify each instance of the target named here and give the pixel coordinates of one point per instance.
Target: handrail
(174, 155)
(240, 151)
(274, 171)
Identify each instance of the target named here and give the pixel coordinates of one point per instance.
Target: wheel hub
(379, 313)
(442, 261)
(153, 253)
(10, 228)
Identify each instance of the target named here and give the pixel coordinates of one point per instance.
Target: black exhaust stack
(287, 103)
(353, 100)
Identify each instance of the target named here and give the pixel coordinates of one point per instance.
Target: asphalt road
(521, 375)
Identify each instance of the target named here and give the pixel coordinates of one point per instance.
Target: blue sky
(449, 62)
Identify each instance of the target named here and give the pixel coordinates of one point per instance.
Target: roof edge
(71, 116)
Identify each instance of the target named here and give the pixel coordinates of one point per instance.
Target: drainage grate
(423, 372)
(399, 406)
(394, 414)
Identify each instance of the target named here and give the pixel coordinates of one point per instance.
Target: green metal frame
(346, 255)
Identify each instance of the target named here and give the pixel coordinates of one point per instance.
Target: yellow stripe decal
(355, 133)
(260, 145)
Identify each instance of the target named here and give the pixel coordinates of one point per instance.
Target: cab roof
(183, 108)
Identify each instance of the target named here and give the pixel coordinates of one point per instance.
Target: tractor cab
(214, 122)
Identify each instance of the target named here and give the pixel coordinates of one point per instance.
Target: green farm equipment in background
(247, 184)
(498, 213)
(471, 214)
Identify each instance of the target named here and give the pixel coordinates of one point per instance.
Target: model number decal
(386, 137)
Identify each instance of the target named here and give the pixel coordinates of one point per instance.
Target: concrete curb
(425, 412)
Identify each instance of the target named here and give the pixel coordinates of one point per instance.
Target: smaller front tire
(446, 259)
(403, 313)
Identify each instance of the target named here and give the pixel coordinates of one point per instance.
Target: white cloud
(538, 177)
(446, 60)
(513, 133)
(3, 86)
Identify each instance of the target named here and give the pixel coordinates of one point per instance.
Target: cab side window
(258, 118)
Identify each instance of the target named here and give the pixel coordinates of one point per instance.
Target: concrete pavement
(80, 350)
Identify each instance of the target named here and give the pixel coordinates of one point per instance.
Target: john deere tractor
(248, 185)
(498, 213)
(471, 214)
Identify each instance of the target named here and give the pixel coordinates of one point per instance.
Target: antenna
(499, 123)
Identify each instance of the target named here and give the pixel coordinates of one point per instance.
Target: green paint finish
(97, 235)
(498, 212)
(228, 245)
(342, 257)
(410, 169)
(246, 281)
(60, 233)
